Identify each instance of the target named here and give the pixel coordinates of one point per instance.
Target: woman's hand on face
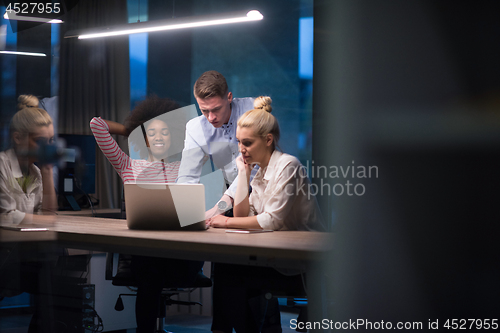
(242, 166)
(218, 221)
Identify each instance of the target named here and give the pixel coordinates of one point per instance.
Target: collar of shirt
(223, 133)
(17, 173)
(227, 128)
(268, 172)
(14, 164)
(226, 132)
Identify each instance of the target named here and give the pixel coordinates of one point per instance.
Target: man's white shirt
(218, 146)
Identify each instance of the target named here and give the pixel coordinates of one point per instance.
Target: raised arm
(115, 128)
(102, 130)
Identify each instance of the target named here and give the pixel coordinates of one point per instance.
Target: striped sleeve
(109, 147)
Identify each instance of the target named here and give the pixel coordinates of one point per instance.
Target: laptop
(165, 206)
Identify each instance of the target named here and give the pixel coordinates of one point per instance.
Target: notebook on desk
(165, 206)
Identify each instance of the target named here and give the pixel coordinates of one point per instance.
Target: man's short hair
(210, 84)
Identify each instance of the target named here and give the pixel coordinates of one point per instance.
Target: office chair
(292, 291)
(124, 277)
(269, 284)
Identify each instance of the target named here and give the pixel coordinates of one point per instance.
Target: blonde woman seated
(26, 192)
(26, 189)
(278, 200)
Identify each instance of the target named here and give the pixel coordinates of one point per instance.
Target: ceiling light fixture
(12, 16)
(171, 24)
(24, 53)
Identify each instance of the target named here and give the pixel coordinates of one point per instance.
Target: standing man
(211, 137)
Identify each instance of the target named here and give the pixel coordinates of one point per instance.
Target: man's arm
(193, 158)
(215, 210)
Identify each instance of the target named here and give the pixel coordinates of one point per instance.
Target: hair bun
(27, 101)
(264, 103)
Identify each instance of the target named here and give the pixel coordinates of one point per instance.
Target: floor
(180, 323)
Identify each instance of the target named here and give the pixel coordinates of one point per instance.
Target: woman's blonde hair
(261, 119)
(26, 120)
(27, 101)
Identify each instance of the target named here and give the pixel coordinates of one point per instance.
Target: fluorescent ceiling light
(13, 16)
(24, 53)
(172, 24)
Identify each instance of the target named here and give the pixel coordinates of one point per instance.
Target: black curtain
(95, 81)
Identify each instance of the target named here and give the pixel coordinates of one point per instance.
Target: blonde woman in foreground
(276, 202)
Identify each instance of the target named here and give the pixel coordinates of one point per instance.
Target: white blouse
(14, 203)
(280, 196)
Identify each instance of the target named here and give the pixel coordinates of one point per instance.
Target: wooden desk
(88, 212)
(284, 249)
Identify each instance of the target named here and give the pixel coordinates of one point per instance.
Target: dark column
(390, 80)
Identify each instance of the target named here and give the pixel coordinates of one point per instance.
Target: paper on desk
(247, 231)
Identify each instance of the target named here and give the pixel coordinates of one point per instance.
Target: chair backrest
(124, 276)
